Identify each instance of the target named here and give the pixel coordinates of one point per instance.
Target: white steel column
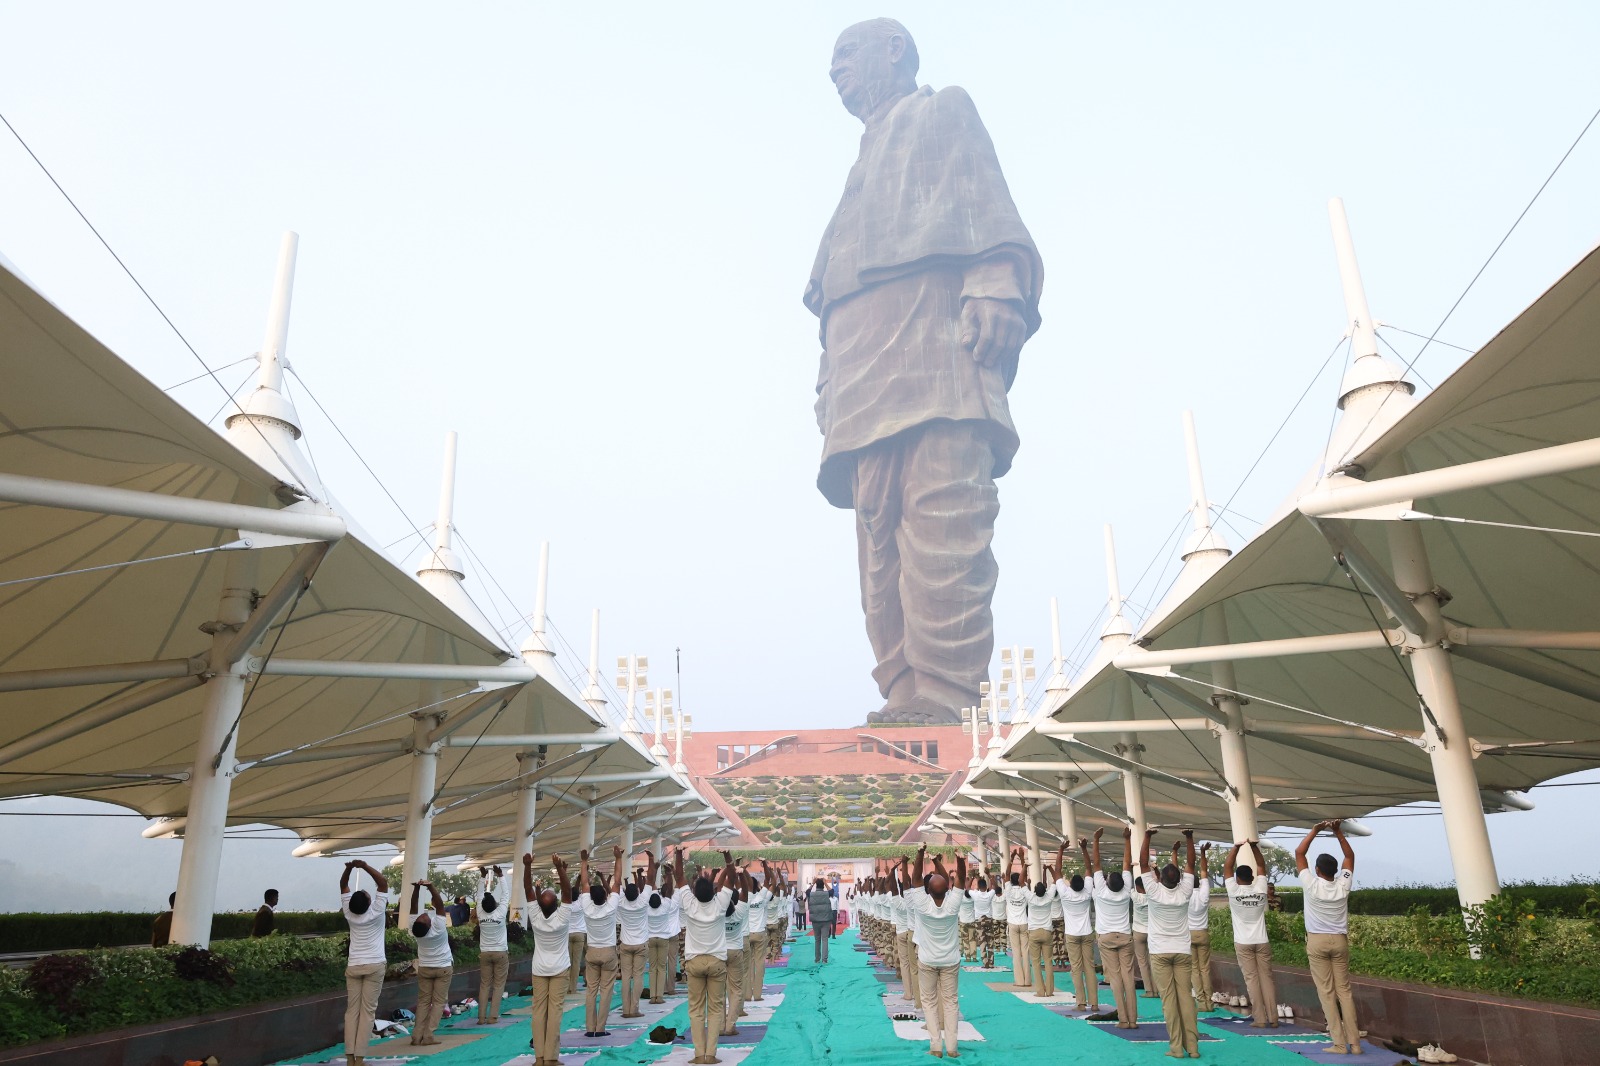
(1069, 809)
(1005, 846)
(1235, 754)
(1117, 635)
(522, 842)
(592, 695)
(419, 805)
(586, 834)
(211, 780)
(1030, 829)
(627, 843)
(1445, 733)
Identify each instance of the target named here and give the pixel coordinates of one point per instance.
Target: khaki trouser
(1017, 948)
(492, 968)
(939, 1004)
(910, 969)
(599, 972)
(1177, 1003)
(969, 941)
(1329, 955)
(548, 993)
(674, 953)
(988, 936)
(1141, 957)
(1080, 954)
(1116, 954)
(632, 960)
(658, 968)
(1255, 961)
(755, 960)
(708, 989)
(362, 986)
(776, 935)
(433, 991)
(1200, 948)
(1041, 961)
(733, 996)
(577, 945)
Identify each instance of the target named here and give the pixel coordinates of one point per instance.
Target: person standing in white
(662, 919)
(1200, 934)
(755, 941)
(434, 963)
(1113, 926)
(577, 945)
(1016, 898)
(1041, 935)
(600, 961)
(704, 912)
(494, 956)
(547, 921)
(1327, 893)
(1077, 927)
(633, 942)
(1169, 897)
(1247, 905)
(938, 936)
(363, 972)
(734, 927)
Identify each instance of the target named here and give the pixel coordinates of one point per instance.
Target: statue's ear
(896, 48)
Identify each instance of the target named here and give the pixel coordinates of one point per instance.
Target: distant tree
(450, 883)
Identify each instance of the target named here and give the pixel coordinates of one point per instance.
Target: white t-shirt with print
(1169, 914)
(1248, 906)
(550, 957)
(366, 930)
(1327, 902)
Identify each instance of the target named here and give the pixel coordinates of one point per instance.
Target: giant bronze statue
(927, 285)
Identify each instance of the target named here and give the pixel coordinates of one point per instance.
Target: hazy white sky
(579, 235)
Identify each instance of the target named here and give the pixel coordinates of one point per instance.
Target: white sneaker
(1427, 1053)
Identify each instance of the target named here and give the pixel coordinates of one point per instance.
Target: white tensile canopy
(1415, 622)
(222, 646)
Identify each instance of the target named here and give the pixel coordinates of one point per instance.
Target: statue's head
(872, 61)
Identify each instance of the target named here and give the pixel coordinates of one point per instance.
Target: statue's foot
(919, 710)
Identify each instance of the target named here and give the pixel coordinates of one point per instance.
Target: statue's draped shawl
(931, 195)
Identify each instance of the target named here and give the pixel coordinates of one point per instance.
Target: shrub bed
(1526, 953)
(115, 929)
(89, 991)
(1566, 900)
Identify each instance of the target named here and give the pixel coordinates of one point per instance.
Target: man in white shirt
(494, 958)
(633, 942)
(1247, 905)
(662, 918)
(734, 926)
(905, 937)
(434, 963)
(1140, 908)
(969, 918)
(547, 921)
(1041, 935)
(1327, 914)
(1016, 897)
(755, 941)
(705, 956)
(363, 972)
(938, 936)
(1114, 929)
(1168, 895)
(1077, 930)
(1200, 933)
(600, 919)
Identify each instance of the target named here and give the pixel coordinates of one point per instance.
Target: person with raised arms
(1077, 929)
(938, 936)
(661, 914)
(363, 972)
(1247, 906)
(494, 953)
(633, 941)
(982, 896)
(1113, 927)
(755, 941)
(734, 927)
(1327, 914)
(705, 956)
(1200, 934)
(1016, 897)
(1041, 935)
(600, 920)
(434, 963)
(546, 919)
(1169, 895)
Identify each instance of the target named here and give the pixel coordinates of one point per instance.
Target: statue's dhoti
(925, 506)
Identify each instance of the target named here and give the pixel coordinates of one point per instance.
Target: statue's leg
(877, 504)
(949, 504)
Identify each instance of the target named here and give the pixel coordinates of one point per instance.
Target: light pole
(658, 704)
(632, 677)
(681, 731)
(972, 722)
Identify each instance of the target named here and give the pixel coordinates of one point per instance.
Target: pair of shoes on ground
(1434, 1053)
(1286, 1012)
(598, 1032)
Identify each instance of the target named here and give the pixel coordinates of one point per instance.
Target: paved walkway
(841, 1012)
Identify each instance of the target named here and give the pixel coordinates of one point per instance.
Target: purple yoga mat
(1146, 1032)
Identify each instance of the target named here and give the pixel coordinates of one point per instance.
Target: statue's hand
(992, 330)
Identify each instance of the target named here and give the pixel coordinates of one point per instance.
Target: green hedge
(116, 929)
(1556, 960)
(1564, 900)
(84, 992)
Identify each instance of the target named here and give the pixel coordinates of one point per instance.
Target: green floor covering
(834, 1013)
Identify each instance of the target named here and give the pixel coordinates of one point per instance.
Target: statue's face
(863, 67)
